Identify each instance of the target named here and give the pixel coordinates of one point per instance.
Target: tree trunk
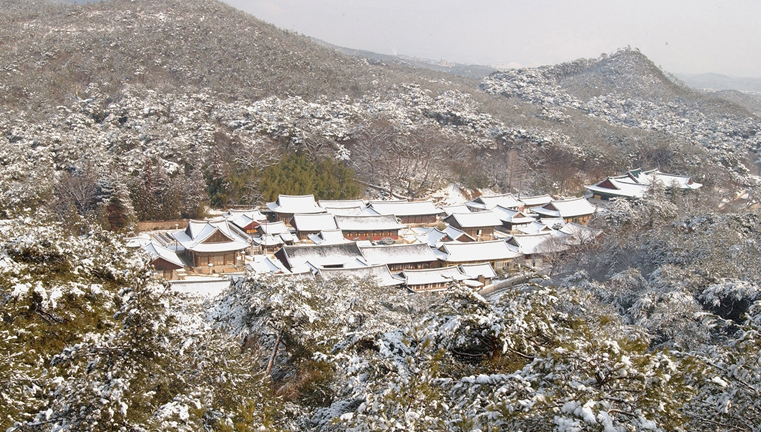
(274, 351)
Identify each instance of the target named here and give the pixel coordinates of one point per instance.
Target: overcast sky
(681, 36)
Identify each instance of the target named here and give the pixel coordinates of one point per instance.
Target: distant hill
(459, 69)
(627, 90)
(713, 81)
(627, 73)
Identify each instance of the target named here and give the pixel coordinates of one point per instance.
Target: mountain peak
(626, 73)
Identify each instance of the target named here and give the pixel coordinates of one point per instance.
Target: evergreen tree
(297, 175)
(194, 194)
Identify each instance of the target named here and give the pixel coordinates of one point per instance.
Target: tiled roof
(313, 222)
(320, 256)
(541, 243)
(462, 208)
(495, 250)
(368, 223)
(274, 228)
(566, 208)
(243, 218)
(341, 203)
(491, 201)
(292, 204)
(476, 270)
(156, 251)
(474, 220)
(617, 187)
(328, 237)
(398, 254)
(433, 276)
(536, 200)
(535, 227)
(405, 208)
(512, 216)
(266, 265)
(193, 237)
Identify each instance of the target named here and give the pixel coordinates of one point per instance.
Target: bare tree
(411, 163)
(370, 150)
(79, 189)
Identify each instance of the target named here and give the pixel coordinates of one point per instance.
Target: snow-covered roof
(617, 187)
(512, 216)
(674, 181)
(434, 236)
(347, 211)
(491, 201)
(368, 223)
(252, 213)
(535, 201)
(462, 208)
(456, 234)
(266, 265)
(313, 222)
(579, 234)
(140, 240)
(274, 228)
(541, 243)
(474, 220)
(405, 208)
(355, 263)
(195, 235)
(159, 252)
(495, 250)
(636, 183)
(440, 255)
(535, 227)
(567, 208)
(378, 273)
(244, 218)
(553, 223)
(398, 254)
(287, 237)
(337, 204)
(319, 255)
(477, 270)
(306, 268)
(268, 240)
(328, 237)
(292, 204)
(433, 276)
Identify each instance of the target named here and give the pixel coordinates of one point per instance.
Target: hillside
(169, 46)
(625, 90)
(95, 93)
(749, 101)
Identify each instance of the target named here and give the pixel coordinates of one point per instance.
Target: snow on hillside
(636, 98)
